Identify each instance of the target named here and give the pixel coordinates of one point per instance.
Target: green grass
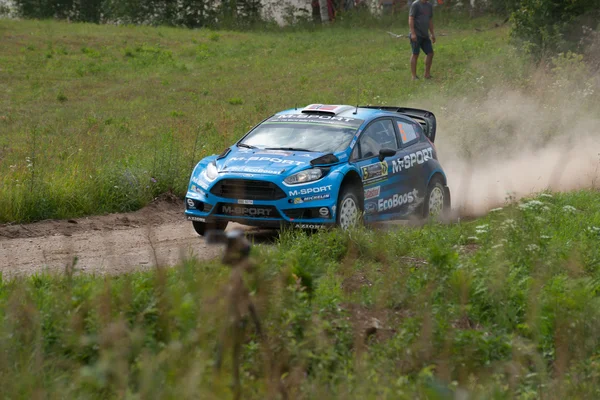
(96, 119)
(502, 307)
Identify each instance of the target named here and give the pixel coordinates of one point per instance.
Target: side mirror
(383, 153)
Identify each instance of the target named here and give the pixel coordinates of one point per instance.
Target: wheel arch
(439, 174)
(352, 178)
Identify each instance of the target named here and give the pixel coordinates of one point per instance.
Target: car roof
(347, 111)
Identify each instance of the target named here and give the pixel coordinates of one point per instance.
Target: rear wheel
(202, 227)
(349, 208)
(436, 201)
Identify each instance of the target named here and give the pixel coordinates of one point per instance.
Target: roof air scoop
(326, 109)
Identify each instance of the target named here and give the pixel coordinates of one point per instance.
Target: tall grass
(501, 307)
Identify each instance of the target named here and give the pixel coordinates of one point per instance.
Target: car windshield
(300, 136)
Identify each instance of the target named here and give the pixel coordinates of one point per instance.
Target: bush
(541, 24)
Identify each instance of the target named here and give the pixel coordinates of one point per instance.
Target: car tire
(349, 208)
(202, 227)
(437, 200)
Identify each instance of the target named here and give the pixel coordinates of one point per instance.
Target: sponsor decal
(373, 192)
(240, 201)
(198, 219)
(241, 168)
(408, 161)
(309, 226)
(273, 160)
(370, 207)
(191, 203)
(323, 212)
(316, 118)
(301, 192)
(397, 200)
(271, 152)
(299, 200)
(199, 182)
(376, 172)
(246, 211)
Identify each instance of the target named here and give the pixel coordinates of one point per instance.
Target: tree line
(186, 13)
(541, 26)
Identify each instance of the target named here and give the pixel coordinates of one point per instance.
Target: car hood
(270, 162)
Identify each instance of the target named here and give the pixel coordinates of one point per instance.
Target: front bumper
(314, 211)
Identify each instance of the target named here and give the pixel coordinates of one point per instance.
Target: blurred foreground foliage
(500, 307)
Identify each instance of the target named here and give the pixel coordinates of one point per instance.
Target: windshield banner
(315, 118)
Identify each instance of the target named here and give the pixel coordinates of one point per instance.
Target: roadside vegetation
(505, 306)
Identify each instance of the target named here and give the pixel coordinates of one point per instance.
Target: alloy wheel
(348, 213)
(436, 201)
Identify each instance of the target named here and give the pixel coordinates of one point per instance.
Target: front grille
(250, 211)
(247, 189)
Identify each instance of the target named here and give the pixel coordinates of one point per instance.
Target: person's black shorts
(421, 43)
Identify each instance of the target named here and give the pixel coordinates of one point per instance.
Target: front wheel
(437, 201)
(349, 208)
(202, 227)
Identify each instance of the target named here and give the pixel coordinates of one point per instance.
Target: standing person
(420, 21)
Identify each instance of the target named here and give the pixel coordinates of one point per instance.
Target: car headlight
(308, 175)
(211, 171)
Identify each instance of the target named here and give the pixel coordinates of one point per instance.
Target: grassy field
(102, 118)
(97, 119)
(503, 307)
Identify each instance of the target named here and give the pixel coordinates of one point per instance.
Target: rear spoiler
(425, 118)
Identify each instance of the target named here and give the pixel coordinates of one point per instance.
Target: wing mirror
(383, 153)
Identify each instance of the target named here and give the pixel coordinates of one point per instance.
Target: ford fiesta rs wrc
(320, 166)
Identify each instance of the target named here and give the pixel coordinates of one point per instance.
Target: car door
(410, 162)
(379, 134)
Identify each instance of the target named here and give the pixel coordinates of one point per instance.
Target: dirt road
(108, 244)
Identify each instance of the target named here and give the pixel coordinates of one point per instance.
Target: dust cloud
(516, 142)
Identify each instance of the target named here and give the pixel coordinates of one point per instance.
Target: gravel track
(106, 244)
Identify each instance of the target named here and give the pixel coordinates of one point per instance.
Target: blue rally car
(320, 166)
